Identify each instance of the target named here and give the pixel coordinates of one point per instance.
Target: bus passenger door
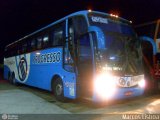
(85, 65)
(81, 52)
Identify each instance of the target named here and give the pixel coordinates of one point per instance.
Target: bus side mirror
(151, 41)
(100, 36)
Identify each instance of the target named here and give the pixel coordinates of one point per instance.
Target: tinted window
(45, 41)
(80, 24)
(110, 25)
(58, 34)
(33, 44)
(18, 50)
(39, 42)
(85, 48)
(24, 48)
(71, 31)
(71, 35)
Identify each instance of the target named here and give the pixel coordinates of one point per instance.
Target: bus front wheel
(58, 90)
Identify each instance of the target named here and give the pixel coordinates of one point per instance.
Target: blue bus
(87, 54)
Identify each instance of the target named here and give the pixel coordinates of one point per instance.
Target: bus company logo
(54, 57)
(99, 19)
(125, 82)
(22, 69)
(122, 82)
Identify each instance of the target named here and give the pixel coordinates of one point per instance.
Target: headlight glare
(105, 85)
(141, 83)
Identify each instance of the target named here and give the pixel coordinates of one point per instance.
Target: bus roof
(84, 12)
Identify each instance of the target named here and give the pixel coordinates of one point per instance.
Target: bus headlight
(105, 85)
(141, 83)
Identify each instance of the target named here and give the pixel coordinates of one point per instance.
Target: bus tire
(58, 90)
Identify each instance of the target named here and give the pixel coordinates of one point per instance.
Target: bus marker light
(113, 15)
(89, 10)
(38, 53)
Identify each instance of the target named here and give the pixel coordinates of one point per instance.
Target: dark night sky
(21, 17)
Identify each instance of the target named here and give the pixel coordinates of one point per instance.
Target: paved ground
(22, 102)
(28, 100)
(17, 101)
(145, 105)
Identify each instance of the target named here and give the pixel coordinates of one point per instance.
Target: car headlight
(105, 85)
(141, 83)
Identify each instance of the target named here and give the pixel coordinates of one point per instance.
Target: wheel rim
(59, 89)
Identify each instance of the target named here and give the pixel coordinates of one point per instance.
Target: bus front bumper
(120, 93)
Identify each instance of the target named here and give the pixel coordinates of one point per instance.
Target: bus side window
(71, 37)
(18, 51)
(24, 48)
(45, 41)
(58, 35)
(39, 42)
(33, 44)
(19, 48)
(71, 30)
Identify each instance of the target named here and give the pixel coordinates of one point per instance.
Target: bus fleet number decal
(47, 58)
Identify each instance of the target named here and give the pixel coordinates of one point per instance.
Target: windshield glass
(121, 51)
(122, 55)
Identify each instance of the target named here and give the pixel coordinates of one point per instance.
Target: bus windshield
(121, 51)
(122, 54)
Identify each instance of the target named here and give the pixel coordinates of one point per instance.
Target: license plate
(129, 93)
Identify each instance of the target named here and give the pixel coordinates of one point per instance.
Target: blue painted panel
(41, 67)
(145, 38)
